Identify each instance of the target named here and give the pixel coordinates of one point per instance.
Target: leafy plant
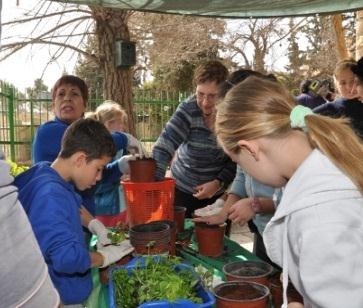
(16, 169)
(155, 280)
(116, 237)
(206, 275)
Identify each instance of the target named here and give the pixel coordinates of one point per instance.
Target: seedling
(155, 280)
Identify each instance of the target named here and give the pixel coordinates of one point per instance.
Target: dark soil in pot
(241, 294)
(253, 271)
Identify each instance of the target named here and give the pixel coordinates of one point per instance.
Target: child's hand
(211, 209)
(241, 211)
(113, 253)
(97, 228)
(123, 163)
(134, 146)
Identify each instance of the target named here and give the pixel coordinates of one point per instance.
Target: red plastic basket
(146, 202)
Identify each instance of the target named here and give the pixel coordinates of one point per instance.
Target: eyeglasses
(209, 97)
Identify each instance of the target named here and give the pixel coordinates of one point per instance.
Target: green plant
(16, 169)
(155, 280)
(206, 275)
(116, 237)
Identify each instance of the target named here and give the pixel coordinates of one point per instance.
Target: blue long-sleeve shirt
(47, 145)
(245, 186)
(198, 157)
(53, 209)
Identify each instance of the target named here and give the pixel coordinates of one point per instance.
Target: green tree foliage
(296, 60)
(37, 90)
(320, 51)
(88, 69)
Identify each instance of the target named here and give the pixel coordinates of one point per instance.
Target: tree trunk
(359, 36)
(339, 37)
(111, 25)
(259, 60)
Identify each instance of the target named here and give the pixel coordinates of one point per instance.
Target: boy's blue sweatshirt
(53, 209)
(47, 145)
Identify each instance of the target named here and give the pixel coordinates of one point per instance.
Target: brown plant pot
(142, 170)
(179, 217)
(210, 239)
(172, 226)
(252, 271)
(241, 294)
(103, 272)
(151, 238)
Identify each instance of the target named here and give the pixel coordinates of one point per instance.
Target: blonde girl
(109, 198)
(316, 233)
(344, 78)
(112, 115)
(347, 105)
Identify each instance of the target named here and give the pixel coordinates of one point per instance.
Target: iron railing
(21, 116)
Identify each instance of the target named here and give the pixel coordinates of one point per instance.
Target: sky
(30, 63)
(22, 68)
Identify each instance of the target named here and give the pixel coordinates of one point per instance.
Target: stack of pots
(173, 232)
(151, 238)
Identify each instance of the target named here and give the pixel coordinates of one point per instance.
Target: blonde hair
(258, 108)
(108, 110)
(343, 65)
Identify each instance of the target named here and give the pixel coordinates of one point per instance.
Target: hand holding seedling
(113, 253)
(97, 228)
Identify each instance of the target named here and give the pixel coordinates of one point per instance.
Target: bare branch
(19, 45)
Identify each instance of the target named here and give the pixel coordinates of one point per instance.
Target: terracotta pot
(142, 170)
(252, 271)
(210, 239)
(241, 294)
(103, 272)
(151, 238)
(179, 217)
(172, 226)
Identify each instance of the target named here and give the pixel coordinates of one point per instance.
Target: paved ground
(242, 235)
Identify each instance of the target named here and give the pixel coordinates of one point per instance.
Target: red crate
(146, 202)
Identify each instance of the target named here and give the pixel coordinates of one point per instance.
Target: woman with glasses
(200, 167)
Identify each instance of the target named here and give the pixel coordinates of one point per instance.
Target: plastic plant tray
(206, 296)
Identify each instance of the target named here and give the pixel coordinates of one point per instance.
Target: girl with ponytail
(318, 161)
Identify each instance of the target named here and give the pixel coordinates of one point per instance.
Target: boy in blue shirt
(47, 193)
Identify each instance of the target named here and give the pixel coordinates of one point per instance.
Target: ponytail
(336, 139)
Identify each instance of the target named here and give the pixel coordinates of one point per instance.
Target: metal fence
(21, 116)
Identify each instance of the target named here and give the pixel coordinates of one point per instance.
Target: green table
(232, 252)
